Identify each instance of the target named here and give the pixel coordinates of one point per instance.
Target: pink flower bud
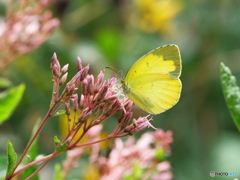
(90, 85)
(70, 89)
(85, 115)
(55, 61)
(65, 68)
(125, 117)
(99, 82)
(110, 98)
(84, 87)
(102, 92)
(128, 104)
(56, 71)
(63, 79)
(67, 108)
(79, 64)
(75, 103)
(113, 109)
(81, 103)
(139, 124)
(76, 80)
(84, 72)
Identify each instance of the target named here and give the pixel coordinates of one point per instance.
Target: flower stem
(48, 115)
(48, 157)
(43, 165)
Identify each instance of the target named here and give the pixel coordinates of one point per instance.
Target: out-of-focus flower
(163, 171)
(163, 139)
(95, 133)
(132, 158)
(24, 29)
(72, 160)
(157, 15)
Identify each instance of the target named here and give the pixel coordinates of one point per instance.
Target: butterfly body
(153, 83)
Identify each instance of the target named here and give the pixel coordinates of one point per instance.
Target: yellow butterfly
(153, 83)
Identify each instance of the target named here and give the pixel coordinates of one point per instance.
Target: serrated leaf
(12, 159)
(231, 93)
(32, 154)
(9, 100)
(60, 112)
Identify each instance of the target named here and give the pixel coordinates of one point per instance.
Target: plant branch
(48, 115)
(43, 165)
(50, 156)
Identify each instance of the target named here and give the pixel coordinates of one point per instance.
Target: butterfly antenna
(117, 72)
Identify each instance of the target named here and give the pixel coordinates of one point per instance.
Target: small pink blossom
(163, 139)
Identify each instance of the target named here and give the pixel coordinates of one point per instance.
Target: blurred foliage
(110, 33)
(9, 99)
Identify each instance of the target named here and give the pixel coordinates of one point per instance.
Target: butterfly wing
(162, 60)
(155, 93)
(153, 81)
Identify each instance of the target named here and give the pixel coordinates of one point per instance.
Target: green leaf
(60, 112)
(9, 99)
(12, 159)
(231, 93)
(56, 140)
(61, 147)
(58, 175)
(32, 154)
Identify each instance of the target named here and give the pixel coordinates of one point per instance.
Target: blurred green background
(115, 33)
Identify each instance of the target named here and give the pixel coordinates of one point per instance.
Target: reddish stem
(43, 165)
(48, 115)
(98, 141)
(50, 156)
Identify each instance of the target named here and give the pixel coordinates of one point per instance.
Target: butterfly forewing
(163, 60)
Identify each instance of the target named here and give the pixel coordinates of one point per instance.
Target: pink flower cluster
(92, 101)
(25, 28)
(126, 158)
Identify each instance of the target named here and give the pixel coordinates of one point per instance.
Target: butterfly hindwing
(155, 93)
